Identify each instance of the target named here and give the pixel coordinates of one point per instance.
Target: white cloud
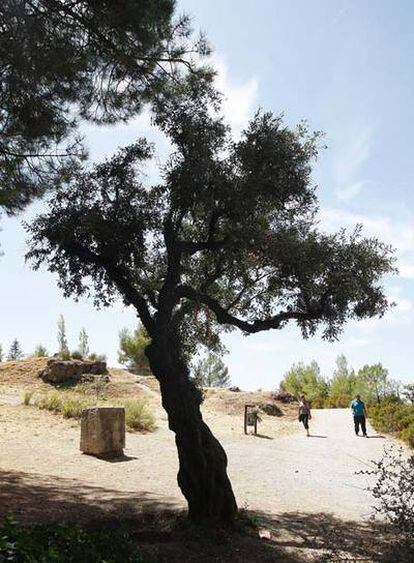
(352, 151)
(239, 99)
(400, 235)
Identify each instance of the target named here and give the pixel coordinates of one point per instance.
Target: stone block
(59, 371)
(103, 431)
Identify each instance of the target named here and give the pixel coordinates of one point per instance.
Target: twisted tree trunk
(202, 475)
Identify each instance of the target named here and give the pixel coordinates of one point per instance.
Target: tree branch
(258, 325)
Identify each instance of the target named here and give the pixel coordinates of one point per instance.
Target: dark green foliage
(232, 230)
(1, 353)
(132, 350)
(211, 371)
(61, 61)
(60, 543)
(15, 352)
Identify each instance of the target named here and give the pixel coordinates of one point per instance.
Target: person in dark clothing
(304, 413)
(360, 413)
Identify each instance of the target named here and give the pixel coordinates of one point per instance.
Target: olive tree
(231, 229)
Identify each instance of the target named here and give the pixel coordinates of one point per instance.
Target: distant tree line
(63, 352)
(372, 382)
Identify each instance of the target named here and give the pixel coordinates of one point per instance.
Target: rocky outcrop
(283, 396)
(270, 408)
(103, 431)
(59, 371)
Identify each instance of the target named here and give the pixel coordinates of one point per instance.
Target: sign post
(250, 417)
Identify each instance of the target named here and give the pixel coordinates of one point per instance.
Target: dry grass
(22, 372)
(70, 404)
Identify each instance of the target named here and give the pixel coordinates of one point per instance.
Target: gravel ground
(278, 471)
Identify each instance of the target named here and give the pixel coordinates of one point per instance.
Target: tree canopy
(232, 229)
(65, 61)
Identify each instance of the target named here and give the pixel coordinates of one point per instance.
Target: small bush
(69, 404)
(394, 491)
(408, 434)
(138, 416)
(97, 357)
(49, 401)
(52, 543)
(73, 405)
(27, 397)
(64, 355)
(76, 355)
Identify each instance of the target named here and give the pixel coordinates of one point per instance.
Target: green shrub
(59, 543)
(138, 415)
(76, 355)
(27, 397)
(395, 417)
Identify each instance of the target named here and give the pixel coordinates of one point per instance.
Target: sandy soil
(292, 482)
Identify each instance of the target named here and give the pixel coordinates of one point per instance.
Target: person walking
(360, 413)
(304, 413)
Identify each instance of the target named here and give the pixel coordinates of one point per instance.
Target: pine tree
(83, 343)
(63, 62)
(131, 351)
(15, 352)
(62, 340)
(212, 372)
(1, 353)
(40, 351)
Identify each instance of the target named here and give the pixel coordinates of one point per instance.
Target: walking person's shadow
(316, 436)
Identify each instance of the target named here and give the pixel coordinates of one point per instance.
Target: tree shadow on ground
(324, 537)
(162, 532)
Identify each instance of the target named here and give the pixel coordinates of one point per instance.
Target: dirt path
(270, 473)
(316, 474)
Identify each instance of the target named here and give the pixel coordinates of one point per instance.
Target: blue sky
(346, 67)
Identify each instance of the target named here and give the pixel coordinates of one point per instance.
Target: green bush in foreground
(59, 543)
(393, 416)
(70, 404)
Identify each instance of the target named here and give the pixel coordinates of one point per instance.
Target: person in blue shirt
(359, 412)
